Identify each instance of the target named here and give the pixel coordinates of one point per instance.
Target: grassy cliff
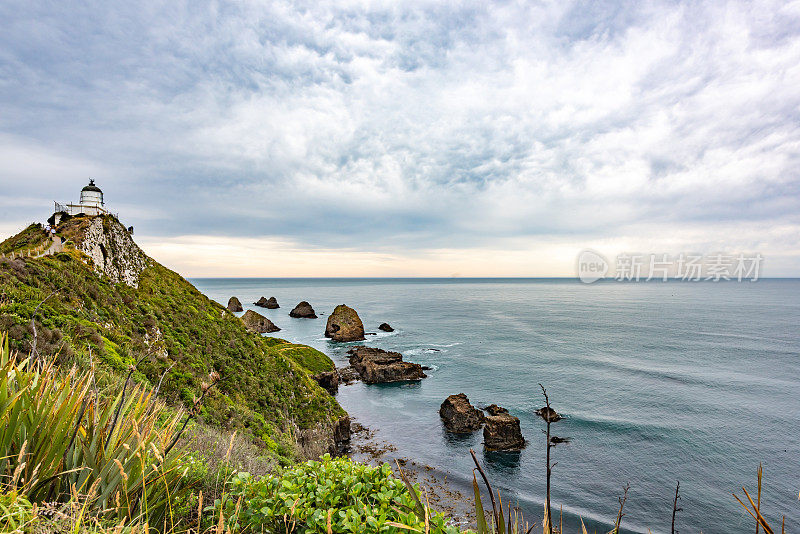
(168, 327)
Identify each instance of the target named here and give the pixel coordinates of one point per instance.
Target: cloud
(393, 130)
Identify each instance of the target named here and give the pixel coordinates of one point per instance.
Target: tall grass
(61, 442)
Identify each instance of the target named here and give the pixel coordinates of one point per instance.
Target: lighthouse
(91, 204)
(91, 196)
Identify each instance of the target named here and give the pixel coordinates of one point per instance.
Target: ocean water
(659, 383)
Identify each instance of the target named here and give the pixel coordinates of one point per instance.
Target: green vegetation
(30, 238)
(59, 439)
(171, 329)
(332, 495)
(308, 357)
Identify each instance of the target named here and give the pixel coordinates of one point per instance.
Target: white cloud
(418, 127)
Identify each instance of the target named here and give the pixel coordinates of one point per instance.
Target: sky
(375, 138)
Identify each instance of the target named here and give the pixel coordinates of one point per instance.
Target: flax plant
(60, 443)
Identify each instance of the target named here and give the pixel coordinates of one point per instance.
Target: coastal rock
(377, 366)
(303, 311)
(269, 303)
(344, 324)
(501, 432)
(323, 438)
(255, 322)
(347, 375)
(459, 416)
(548, 414)
(494, 409)
(385, 327)
(234, 305)
(329, 381)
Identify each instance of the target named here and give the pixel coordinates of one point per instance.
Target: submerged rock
(385, 327)
(303, 311)
(459, 416)
(255, 322)
(501, 432)
(344, 324)
(329, 381)
(234, 305)
(269, 303)
(376, 366)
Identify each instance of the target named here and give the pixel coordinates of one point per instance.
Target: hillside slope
(105, 303)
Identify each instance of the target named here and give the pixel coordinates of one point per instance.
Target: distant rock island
(344, 324)
(303, 311)
(269, 303)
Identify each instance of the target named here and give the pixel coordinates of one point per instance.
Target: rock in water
(234, 305)
(385, 327)
(303, 311)
(344, 325)
(255, 322)
(501, 432)
(269, 303)
(376, 366)
(459, 415)
(329, 381)
(494, 409)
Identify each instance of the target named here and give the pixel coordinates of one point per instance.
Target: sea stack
(303, 311)
(459, 416)
(344, 324)
(269, 303)
(385, 327)
(234, 305)
(255, 322)
(377, 366)
(501, 431)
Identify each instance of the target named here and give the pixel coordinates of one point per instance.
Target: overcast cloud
(413, 138)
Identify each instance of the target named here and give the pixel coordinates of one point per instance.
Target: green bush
(332, 495)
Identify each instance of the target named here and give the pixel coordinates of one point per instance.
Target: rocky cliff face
(112, 250)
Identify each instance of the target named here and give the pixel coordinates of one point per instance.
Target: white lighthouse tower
(91, 204)
(91, 196)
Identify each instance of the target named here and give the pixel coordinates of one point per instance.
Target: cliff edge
(102, 301)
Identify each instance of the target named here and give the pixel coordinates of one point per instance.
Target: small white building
(90, 205)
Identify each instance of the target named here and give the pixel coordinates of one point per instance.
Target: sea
(658, 383)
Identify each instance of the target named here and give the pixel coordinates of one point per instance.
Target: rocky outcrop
(459, 416)
(377, 366)
(347, 375)
(329, 381)
(501, 431)
(385, 327)
(234, 305)
(269, 303)
(324, 438)
(109, 246)
(255, 322)
(344, 324)
(303, 311)
(494, 409)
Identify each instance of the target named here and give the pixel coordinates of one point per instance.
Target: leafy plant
(330, 496)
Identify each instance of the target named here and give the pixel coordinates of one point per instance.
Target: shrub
(332, 495)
